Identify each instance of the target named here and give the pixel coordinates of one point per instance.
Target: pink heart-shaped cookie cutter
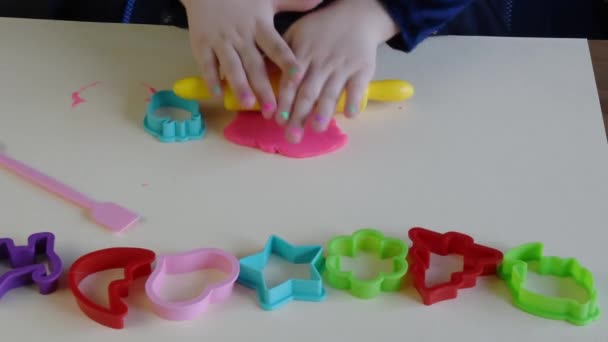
(201, 259)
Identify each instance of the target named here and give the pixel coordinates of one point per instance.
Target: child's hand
(226, 38)
(336, 47)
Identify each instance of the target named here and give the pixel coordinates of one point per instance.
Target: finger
(306, 98)
(297, 5)
(278, 51)
(328, 100)
(232, 68)
(209, 70)
(288, 89)
(258, 79)
(355, 91)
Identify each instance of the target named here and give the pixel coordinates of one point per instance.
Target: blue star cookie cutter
(25, 269)
(165, 128)
(252, 274)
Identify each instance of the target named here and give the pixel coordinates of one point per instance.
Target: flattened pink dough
(252, 130)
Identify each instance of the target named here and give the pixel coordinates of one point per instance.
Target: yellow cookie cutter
(194, 88)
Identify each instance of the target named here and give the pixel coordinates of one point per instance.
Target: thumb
(297, 5)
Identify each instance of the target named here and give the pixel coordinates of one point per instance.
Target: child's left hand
(336, 46)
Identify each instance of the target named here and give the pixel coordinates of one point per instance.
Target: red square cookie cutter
(478, 260)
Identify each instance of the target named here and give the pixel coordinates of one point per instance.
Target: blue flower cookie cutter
(311, 290)
(165, 128)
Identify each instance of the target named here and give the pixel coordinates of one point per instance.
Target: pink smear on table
(76, 98)
(250, 129)
(151, 90)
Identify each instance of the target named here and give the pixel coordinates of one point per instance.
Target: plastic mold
(252, 267)
(136, 263)
(478, 261)
(206, 258)
(24, 268)
(514, 269)
(168, 130)
(366, 240)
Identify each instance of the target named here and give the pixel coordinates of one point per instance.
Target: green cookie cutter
(513, 271)
(366, 240)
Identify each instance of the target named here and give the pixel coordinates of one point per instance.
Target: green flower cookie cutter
(514, 269)
(366, 240)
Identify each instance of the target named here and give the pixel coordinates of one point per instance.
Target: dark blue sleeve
(419, 19)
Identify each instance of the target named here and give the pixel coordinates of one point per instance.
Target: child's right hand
(226, 38)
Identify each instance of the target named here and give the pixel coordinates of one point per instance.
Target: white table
(503, 141)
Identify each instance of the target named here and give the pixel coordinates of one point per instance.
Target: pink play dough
(252, 130)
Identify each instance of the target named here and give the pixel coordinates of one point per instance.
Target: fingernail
(285, 115)
(217, 90)
(295, 134)
(294, 75)
(293, 71)
(246, 95)
(247, 99)
(268, 107)
(319, 121)
(352, 109)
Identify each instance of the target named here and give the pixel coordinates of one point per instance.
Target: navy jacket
(418, 19)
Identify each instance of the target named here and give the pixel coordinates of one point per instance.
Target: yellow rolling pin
(194, 88)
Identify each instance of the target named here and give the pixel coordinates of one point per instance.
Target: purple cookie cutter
(201, 259)
(25, 269)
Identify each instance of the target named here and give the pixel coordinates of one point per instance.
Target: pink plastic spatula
(107, 214)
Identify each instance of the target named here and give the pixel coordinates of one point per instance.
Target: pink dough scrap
(250, 129)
